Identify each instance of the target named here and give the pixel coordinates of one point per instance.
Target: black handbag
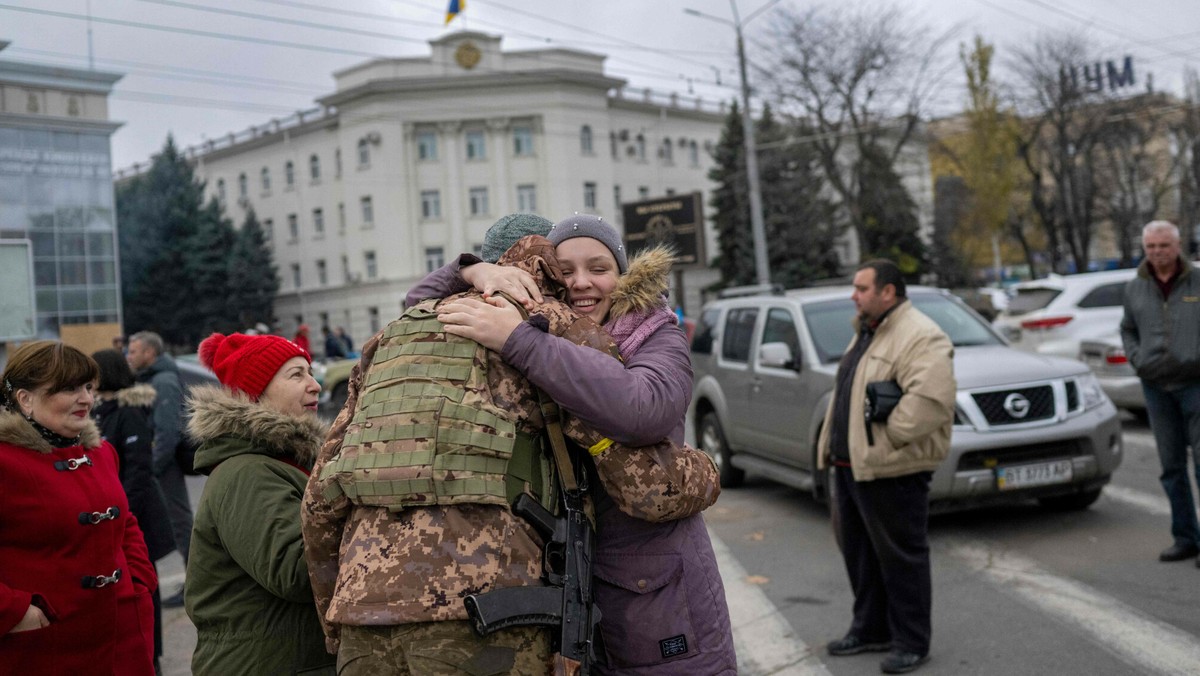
(882, 397)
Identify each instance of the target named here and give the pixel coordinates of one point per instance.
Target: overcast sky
(202, 68)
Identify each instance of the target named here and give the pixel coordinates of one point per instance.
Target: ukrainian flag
(456, 6)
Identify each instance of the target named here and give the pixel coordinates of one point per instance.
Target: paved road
(1017, 590)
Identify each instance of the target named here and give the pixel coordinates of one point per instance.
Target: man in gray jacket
(1161, 335)
(149, 363)
(882, 467)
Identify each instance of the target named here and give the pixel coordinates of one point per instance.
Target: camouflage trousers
(442, 649)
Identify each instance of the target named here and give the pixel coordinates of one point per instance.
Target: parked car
(1052, 315)
(1025, 425)
(335, 387)
(1106, 357)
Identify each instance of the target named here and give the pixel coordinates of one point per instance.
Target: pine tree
(253, 277)
(731, 204)
(208, 263)
(889, 215)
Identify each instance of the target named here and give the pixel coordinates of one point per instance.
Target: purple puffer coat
(657, 584)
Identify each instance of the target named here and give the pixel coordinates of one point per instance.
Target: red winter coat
(47, 555)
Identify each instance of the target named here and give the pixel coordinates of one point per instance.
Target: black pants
(882, 528)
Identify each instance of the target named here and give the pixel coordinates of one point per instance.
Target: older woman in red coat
(75, 578)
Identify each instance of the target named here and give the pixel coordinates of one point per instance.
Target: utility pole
(757, 229)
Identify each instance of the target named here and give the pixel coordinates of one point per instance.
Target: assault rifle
(567, 602)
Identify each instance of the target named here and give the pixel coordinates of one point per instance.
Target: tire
(1071, 503)
(712, 441)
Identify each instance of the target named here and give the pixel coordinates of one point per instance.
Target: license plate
(1039, 474)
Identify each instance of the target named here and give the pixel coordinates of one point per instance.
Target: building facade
(410, 160)
(56, 191)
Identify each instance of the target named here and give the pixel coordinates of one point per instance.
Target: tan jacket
(912, 350)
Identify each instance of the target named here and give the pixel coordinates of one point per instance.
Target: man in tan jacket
(882, 467)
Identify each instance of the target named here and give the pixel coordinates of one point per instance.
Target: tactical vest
(426, 430)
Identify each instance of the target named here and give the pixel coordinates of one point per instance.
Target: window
(431, 205)
(268, 227)
(477, 249)
(479, 201)
(426, 145)
(670, 192)
(341, 217)
(643, 192)
(589, 195)
(314, 168)
(293, 228)
(266, 179)
(221, 190)
(739, 327)
(322, 277)
(345, 268)
(665, 153)
(617, 197)
(527, 199)
(781, 328)
(323, 319)
(373, 319)
(476, 149)
(641, 148)
(296, 275)
(318, 223)
(522, 141)
(243, 186)
(364, 153)
(706, 329)
(612, 144)
(693, 154)
(368, 211)
(289, 173)
(435, 258)
(337, 163)
(369, 262)
(1108, 295)
(585, 140)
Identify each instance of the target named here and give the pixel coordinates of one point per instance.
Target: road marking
(1134, 636)
(1147, 502)
(766, 644)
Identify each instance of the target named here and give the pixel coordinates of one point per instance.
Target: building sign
(54, 163)
(1093, 77)
(677, 220)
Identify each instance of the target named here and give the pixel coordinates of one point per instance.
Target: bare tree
(859, 78)
(1187, 147)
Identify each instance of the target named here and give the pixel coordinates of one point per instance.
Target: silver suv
(1025, 425)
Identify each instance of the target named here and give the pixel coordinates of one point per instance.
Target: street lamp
(757, 229)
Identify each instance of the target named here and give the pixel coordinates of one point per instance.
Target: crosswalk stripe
(1136, 637)
(765, 642)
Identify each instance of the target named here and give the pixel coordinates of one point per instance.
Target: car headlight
(1091, 392)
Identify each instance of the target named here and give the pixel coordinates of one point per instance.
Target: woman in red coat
(75, 578)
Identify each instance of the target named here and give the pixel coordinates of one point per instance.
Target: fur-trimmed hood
(140, 395)
(218, 415)
(643, 287)
(16, 430)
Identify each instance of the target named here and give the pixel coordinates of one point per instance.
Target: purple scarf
(631, 330)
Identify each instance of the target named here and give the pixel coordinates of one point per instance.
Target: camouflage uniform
(375, 567)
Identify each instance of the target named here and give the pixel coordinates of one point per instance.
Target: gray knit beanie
(505, 232)
(586, 225)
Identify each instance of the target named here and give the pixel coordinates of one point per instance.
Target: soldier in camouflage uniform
(391, 559)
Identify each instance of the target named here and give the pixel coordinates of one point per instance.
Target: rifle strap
(553, 421)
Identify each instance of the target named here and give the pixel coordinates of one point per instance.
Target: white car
(1052, 316)
(1106, 357)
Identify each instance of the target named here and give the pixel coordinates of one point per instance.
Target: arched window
(314, 167)
(693, 154)
(243, 186)
(221, 189)
(266, 179)
(666, 151)
(364, 152)
(289, 173)
(641, 148)
(585, 140)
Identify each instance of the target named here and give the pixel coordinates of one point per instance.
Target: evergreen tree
(253, 278)
(889, 215)
(208, 266)
(731, 204)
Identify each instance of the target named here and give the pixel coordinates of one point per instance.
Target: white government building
(410, 160)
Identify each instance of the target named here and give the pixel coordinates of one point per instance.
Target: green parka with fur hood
(247, 587)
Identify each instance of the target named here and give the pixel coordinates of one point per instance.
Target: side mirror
(778, 356)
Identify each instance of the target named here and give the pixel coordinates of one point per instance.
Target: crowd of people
(351, 548)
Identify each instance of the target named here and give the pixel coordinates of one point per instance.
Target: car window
(1028, 300)
(739, 328)
(829, 324)
(781, 329)
(706, 331)
(1108, 295)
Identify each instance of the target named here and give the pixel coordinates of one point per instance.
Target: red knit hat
(248, 363)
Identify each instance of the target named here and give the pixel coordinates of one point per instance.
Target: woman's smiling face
(591, 275)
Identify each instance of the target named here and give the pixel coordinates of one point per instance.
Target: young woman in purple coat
(657, 584)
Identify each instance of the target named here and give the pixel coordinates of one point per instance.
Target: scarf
(632, 329)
